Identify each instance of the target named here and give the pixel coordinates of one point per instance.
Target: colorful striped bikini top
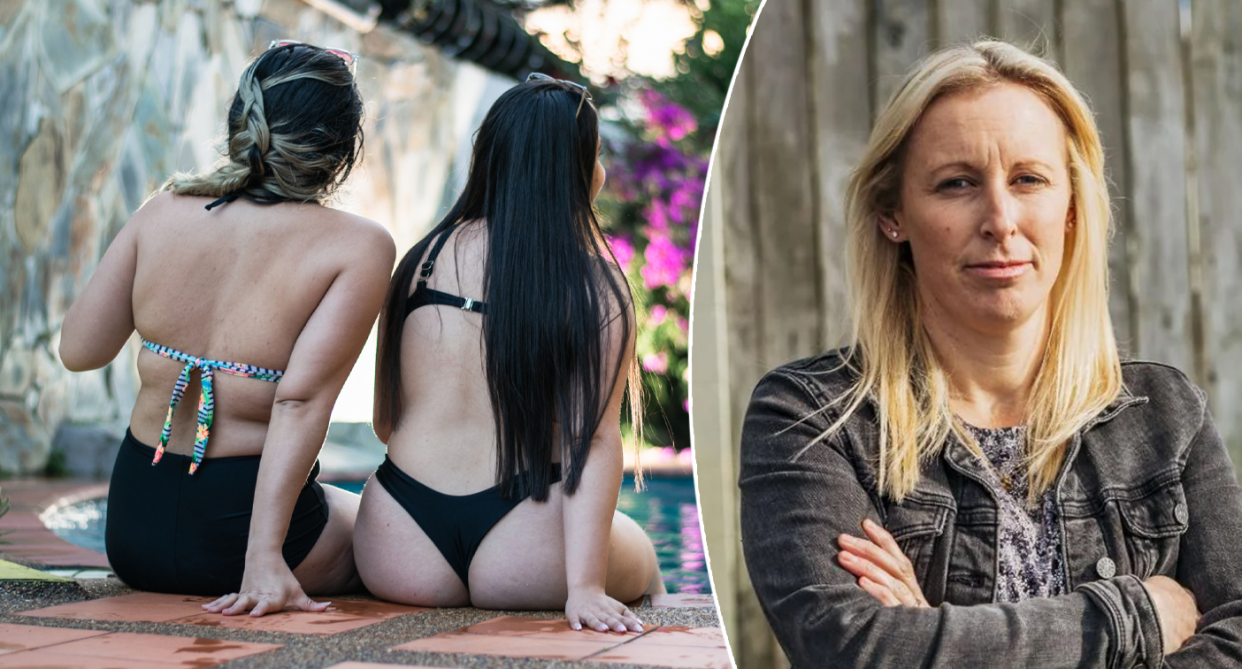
(206, 398)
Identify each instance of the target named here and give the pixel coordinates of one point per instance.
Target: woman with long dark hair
(254, 299)
(506, 344)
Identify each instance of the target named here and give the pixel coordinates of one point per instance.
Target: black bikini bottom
(456, 524)
(168, 531)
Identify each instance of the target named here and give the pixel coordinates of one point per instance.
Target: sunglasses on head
(586, 94)
(350, 59)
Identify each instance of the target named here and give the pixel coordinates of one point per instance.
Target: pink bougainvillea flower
(669, 119)
(657, 214)
(658, 314)
(622, 249)
(656, 362)
(685, 201)
(665, 261)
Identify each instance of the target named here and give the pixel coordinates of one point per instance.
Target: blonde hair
(1080, 373)
(294, 131)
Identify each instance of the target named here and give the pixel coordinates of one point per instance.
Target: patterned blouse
(1029, 540)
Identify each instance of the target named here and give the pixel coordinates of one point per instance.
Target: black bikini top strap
(224, 200)
(425, 271)
(232, 197)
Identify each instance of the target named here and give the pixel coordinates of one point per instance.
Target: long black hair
(548, 285)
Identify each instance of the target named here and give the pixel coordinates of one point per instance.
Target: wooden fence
(1165, 81)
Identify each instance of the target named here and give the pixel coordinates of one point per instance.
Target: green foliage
(653, 197)
(57, 465)
(703, 79)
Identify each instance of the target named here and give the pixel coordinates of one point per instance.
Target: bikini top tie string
(206, 397)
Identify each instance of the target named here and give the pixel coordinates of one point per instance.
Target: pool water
(666, 510)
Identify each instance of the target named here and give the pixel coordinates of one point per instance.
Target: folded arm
(794, 508)
(1208, 556)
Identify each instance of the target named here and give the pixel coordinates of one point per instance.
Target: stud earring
(893, 233)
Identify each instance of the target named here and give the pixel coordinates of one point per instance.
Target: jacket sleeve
(796, 501)
(1210, 556)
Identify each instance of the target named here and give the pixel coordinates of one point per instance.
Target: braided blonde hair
(286, 140)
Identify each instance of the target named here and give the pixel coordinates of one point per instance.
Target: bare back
(447, 437)
(237, 283)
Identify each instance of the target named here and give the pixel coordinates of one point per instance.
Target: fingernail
(576, 626)
(847, 557)
(868, 524)
(846, 539)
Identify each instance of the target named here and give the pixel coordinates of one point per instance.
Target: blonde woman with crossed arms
(980, 480)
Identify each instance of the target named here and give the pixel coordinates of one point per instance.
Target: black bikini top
(424, 296)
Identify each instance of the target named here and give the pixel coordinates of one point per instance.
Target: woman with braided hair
(257, 309)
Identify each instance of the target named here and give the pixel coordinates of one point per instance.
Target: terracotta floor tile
(34, 552)
(25, 637)
(138, 607)
(67, 555)
(373, 665)
(174, 651)
(342, 616)
(681, 600)
(546, 628)
(79, 558)
(643, 652)
(22, 538)
(511, 646)
(49, 658)
(676, 635)
(22, 520)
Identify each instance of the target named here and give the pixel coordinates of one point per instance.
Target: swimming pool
(666, 510)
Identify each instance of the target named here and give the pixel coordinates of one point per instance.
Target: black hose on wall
(477, 31)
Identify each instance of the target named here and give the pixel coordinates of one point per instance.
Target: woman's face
(597, 179)
(984, 203)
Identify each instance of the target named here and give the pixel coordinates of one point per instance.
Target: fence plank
(1217, 83)
(841, 123)
(902, 35)
(743, 284)
(710, 412)
(1031, 24)
(740, 251)
(1157, 246)
(1092, 59)
(781, 187)
(962, 21)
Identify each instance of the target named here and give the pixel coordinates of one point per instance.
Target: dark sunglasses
(351, 61)
(586, 94)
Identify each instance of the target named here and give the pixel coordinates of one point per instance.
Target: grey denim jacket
(1147, 488)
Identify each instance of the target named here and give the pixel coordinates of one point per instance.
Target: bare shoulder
(359, 235)
(158, 206)
(615, 293)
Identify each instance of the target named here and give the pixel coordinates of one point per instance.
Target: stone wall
(101, 100)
